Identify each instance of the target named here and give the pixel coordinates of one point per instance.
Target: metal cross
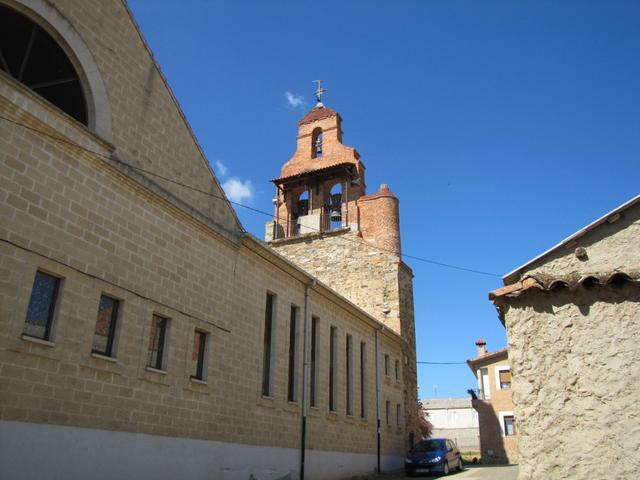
(319, 90)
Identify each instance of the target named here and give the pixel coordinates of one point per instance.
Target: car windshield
(428, 446)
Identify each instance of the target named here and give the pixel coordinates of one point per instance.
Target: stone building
(496, 418)
(327, 224)
(454, 418)
(573, 323)
(144, 333)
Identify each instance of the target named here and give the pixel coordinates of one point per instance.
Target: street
(493, 472)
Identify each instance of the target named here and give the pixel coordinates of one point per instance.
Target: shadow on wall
(492, 450)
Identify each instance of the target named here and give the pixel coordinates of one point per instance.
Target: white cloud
(221, 168)
(294, 100)
(238, 190)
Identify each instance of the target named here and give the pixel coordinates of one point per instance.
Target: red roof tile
(317, 113)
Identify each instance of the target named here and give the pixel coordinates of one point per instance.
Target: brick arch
(51, 20)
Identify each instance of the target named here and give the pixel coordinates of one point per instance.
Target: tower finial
(319, 92)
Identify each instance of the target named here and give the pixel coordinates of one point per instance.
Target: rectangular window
(293, 354)
(397, 370)
(198, 357)
(268, 345)
(504, 378)
(387, 412)
(105, 326)
(363, 380)
(509, 424)
(313, 394)
(42, 305)
(349, 372)
(333, 353)
(398, 414)
(386, 365)
(157, 339)
(483, 381)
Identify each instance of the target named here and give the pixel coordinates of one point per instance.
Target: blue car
(433, 455)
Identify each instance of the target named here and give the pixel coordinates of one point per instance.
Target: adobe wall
(575, 358)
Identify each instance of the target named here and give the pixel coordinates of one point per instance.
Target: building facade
(144, 333)
(573, 324)
(454, 418)
(497, 421)
(327, 224)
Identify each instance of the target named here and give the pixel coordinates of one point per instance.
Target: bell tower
(326, 223)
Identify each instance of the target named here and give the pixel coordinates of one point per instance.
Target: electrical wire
(442, 363)
(247, 207)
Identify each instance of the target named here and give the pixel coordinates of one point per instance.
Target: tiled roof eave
(572, 281)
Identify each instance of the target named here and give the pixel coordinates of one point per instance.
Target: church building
(144, 334)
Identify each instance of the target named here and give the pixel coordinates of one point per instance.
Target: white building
(454, 418)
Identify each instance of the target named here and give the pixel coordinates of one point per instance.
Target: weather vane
(319, 91)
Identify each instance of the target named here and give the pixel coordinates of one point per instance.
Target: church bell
(335, 211)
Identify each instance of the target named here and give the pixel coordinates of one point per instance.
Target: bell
(303, 207)
(335, 214)
(335, 211)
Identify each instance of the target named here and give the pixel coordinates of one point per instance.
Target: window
(103, 337)
(397, 370)
(313, 396)
(316, 143)
(199, 355)
(398, 414)
(349, 373)
(386, 365)
(42, 305)
(157, 341)
(31, 56)
(503, 377)
(268, 345)
(293, 350)
(363, 380)
(483, 384)
(508, 424)
(387, 412)
(333, 353)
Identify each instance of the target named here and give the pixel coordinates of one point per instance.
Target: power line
(442, 363)
(220, 197)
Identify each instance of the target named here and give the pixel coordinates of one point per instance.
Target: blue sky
(502, 126)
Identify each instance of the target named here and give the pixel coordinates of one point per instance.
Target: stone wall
(575, 360)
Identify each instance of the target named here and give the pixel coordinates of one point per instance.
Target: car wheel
(459, 467)
(445, 468)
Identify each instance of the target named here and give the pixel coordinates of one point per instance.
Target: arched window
(316, 143)
(31, 56)
(334, 206)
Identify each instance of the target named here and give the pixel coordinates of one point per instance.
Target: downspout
(377, 351)
(305, 377)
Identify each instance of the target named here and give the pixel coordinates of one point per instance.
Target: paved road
(508, 472)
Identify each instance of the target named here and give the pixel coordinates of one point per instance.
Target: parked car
(433, 455)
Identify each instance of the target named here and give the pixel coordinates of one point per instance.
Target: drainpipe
(305, 377)
(378, 396)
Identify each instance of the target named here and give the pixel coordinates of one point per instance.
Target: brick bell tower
(327, 224)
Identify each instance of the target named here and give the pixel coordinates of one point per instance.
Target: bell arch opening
(333, 207)
(316, 143)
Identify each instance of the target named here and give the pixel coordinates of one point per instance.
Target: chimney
(482, 347)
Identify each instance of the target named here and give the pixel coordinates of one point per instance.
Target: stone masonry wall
(575, 360)
(70, 213)
(364, 275)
